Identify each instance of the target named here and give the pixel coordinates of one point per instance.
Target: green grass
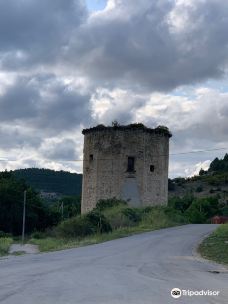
(17, 253)
(215, 247)
(156, 218)
(5, 243)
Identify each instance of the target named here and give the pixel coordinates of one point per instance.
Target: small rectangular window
(151, 168)
(131, 164)
(91, 157)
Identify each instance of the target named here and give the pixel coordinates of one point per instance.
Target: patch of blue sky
(220, 85)
(96, 5)
(185, 91)
(189, 91)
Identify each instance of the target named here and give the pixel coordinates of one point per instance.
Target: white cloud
(196, 169)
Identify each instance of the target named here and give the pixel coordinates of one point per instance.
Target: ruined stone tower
(128, 162)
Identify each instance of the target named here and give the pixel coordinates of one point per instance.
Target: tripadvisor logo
(176, 293)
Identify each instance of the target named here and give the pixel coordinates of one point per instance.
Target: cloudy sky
(66, 65)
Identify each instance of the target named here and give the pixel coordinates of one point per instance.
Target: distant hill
(217, 165)
(50, 181)
(213, 182)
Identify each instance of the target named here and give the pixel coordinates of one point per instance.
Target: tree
(202, 209)
(202, 172)
(71, 206)
(38, 216)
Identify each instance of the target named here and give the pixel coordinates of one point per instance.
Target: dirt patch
(27, 248)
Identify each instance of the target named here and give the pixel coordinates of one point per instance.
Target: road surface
(133, 270)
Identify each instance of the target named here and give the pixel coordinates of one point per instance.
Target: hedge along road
(139, 269)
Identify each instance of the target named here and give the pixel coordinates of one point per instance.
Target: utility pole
(23, 225)
(62, 209)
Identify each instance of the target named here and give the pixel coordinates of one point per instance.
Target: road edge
(198, 257)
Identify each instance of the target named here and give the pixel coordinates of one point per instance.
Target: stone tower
(128, 162)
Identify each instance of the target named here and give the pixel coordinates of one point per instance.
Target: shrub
(5, 243)
(181, 203)
(116, 218)
(199, 189)
(161, 216)
(80, 226)
(224, 211)
(99, 221)
(75, 227)
(196, 217)
(148, 209)
(180, 181)
(109, 203)
(134, 215)
(171, 185)
(38, 235)
(5, 234)
(202, 209)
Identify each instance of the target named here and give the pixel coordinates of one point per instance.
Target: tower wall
(106, 171)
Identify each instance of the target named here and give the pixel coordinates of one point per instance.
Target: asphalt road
(138, 269)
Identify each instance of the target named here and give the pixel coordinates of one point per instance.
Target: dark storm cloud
(44, 103)
(20, 101)
(157, 44)
(34, 31)
(18, 138)
(64, 110)
(63, 150)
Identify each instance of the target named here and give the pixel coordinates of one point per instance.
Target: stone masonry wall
(105, 163)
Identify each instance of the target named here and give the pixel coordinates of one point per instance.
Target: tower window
(131, 164)
(151, 168)
(91, 157)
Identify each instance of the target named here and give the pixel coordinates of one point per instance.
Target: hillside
(213, 182)
(50, 181)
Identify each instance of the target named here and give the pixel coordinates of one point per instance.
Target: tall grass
(5, 243)
(123, 221)
(215, 247)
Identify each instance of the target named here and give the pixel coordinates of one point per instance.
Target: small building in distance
(126, 162)
(218, 219)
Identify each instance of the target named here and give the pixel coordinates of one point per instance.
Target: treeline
(198, 210)
(217, 166)
(216, 175)
(60, 182)
(39, 214)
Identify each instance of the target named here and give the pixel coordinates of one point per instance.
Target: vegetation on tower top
(162, 130)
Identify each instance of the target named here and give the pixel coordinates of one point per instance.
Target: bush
(202, 209)
(148, 209)
(5, 243)
(116, 218)
(181, 203)
(5, 234)
(109, 203)
(175, 215)
(80, 226)
(156, 218)
(171, 185)
(38, 235)
(75, 227)
(180, 181)
(99, 221)
(134, 215)
(199, 189)
(224, 211)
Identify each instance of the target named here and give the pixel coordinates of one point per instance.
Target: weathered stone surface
(105, 174)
